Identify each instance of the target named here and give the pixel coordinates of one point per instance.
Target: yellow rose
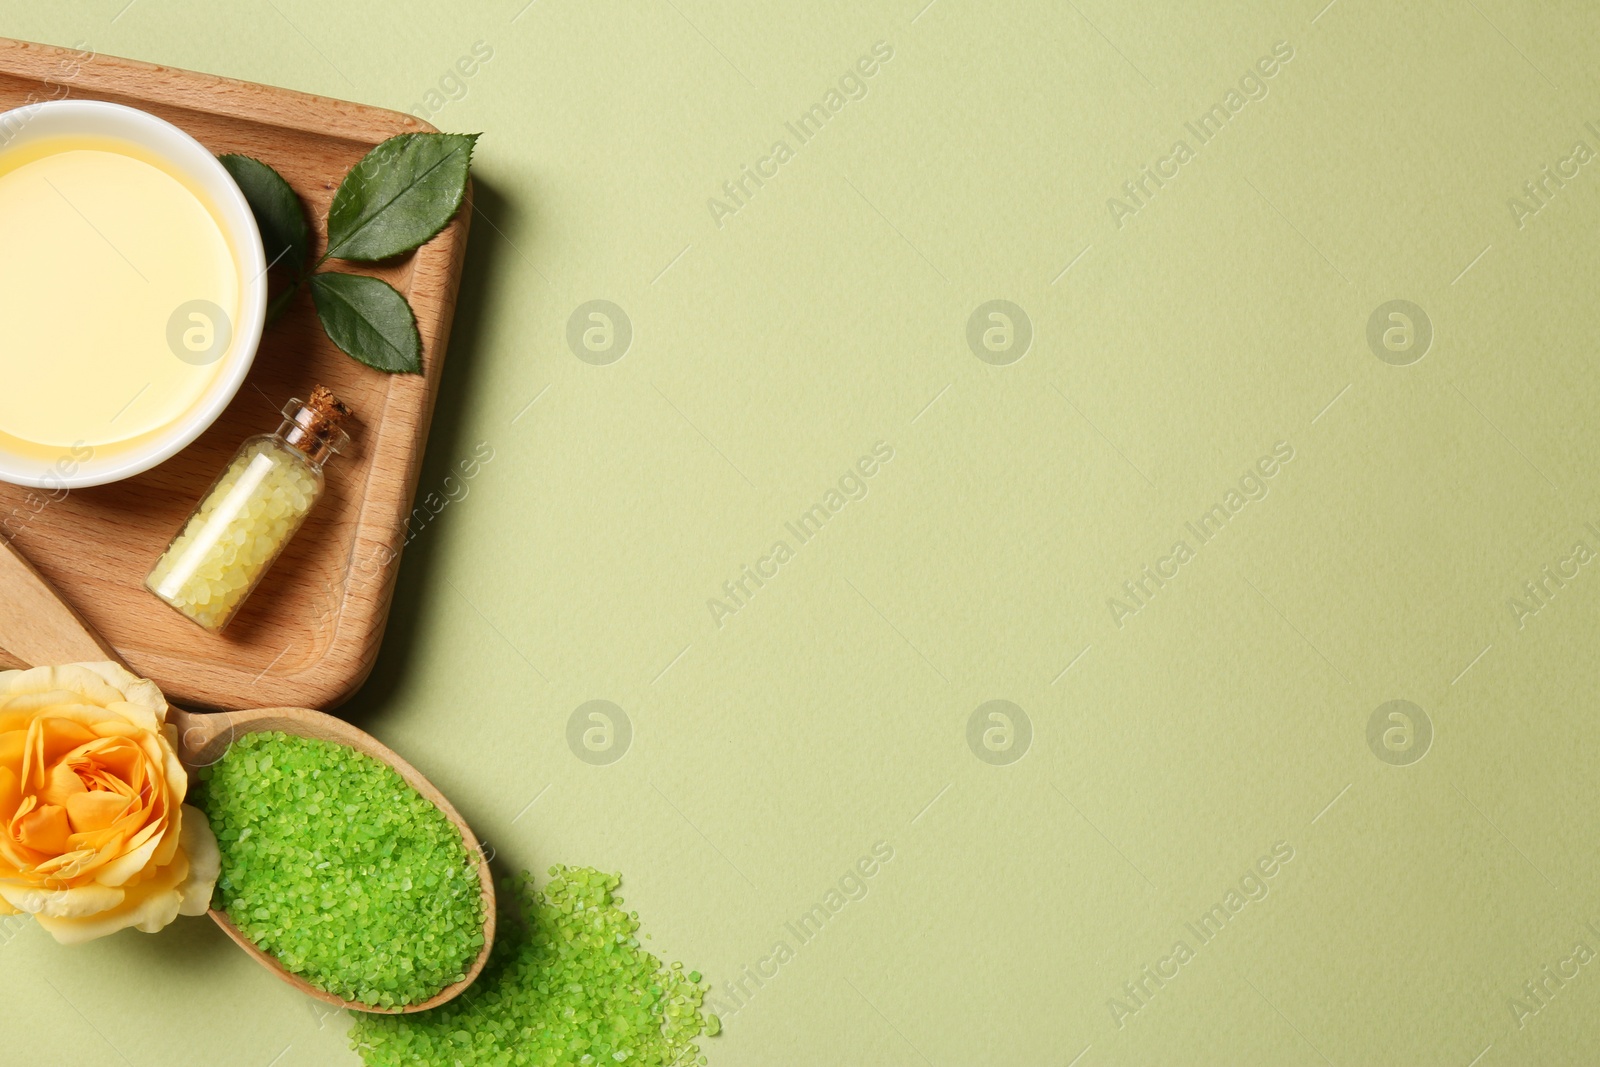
(94, 834)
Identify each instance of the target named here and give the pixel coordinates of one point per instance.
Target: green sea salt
(566, 984)
(335, 866)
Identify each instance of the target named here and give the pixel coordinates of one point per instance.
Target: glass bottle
(242, 523)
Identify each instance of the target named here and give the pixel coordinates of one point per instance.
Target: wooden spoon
(37, 627)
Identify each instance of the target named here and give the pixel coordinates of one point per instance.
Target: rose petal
(173, 828)
(150, 913)
(172, 768)
(61, 903)
(85, 680)
(141, 716)
(15, 856)
(117, 871)
(50, 738)
(149, 906)
(69, 868)
(95, 811)
(61, 783)
(12, 744)
(205, 862)
(10, 793)
(45, 829)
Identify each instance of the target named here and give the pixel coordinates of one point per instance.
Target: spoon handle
(36, 625)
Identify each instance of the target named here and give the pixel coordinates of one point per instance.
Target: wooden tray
(309, 635)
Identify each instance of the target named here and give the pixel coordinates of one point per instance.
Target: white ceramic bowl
(190, 160)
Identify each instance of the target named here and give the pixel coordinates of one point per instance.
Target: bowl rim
(181, 151)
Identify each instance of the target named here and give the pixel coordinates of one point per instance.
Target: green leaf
(370, 320)
(277, 209)
(402, 193)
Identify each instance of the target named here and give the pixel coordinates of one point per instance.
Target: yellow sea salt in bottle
(249, 513)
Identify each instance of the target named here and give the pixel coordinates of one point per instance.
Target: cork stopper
(328, 410)
(316, 426)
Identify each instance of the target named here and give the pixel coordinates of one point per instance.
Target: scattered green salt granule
(566, 984)
(335, 866)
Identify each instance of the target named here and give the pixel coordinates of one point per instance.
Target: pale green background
(831, 713)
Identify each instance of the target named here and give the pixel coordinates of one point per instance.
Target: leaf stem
(280, 303)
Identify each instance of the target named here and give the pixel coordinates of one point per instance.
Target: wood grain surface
(309, 635)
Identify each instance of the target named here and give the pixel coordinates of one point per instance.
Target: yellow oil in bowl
(119, 295)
